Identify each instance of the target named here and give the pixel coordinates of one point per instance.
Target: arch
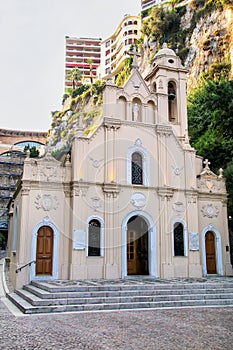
(152, 262)
(46, 222)
(122, 103)
(138, 148)
(218, 249)
(150, 118)
(175, 226)
(101, 233)
(172, 102)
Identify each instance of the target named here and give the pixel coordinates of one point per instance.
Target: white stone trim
(151, 242)
(218, 250)
(96, 217)
(145, 162)
(46, 222)
(185, 236)
(15, 229)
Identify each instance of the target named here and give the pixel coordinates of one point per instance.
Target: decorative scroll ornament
(46, 202)
(210, 211)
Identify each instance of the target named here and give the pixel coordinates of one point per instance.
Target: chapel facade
(131, 199)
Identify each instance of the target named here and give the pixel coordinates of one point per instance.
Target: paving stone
(199, 329)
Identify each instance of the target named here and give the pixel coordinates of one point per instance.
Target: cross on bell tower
(134, 53)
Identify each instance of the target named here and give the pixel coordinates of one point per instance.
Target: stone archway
(147, 241)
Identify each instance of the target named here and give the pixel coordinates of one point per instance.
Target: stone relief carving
(178, 207)
(95, 203)
(138, 199)
(210, 210)
(95, 163)
(193, 241)
(46, 202)
(177, 171)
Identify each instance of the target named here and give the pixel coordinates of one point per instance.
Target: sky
(32, 57)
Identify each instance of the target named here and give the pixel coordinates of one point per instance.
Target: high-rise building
(114, 50)
(146, 4)
(78, 53)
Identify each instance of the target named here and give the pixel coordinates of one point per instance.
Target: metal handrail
(22, 267)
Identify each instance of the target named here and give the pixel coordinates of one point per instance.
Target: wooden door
(44, 251)
(210, 253)
(132, 252)
(137, 253)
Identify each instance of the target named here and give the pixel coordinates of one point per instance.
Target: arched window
(94, 229)
(178, 236)
(172, 103)
(137, 171)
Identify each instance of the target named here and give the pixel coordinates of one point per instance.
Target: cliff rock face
(211, 43)
(204, 40)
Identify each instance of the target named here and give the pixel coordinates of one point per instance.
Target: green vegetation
(124, 73)
(210, 107)
(34, 153)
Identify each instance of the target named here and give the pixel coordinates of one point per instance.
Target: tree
(90, 61)
(74, 75)
(210, 115)
(34, 153)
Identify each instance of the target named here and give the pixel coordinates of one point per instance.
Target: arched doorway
(44, 251)
(137, 246)
(210, 253)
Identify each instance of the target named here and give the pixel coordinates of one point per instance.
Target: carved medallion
(138, 199)
(178, 207)
(210, 211)
(46, 202)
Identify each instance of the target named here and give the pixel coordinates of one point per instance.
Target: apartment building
(146, 4)
(114, 49)
(78, 53)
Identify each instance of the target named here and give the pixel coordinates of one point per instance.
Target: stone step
(36, 301)
(27, 308)
(43, 294)
(76, 287)
(67, 296)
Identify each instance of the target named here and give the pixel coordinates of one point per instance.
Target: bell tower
(167, 79)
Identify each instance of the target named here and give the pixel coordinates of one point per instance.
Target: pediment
(136, 85)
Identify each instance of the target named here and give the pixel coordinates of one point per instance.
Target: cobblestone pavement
(200, 329)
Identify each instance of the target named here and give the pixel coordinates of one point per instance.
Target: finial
(220, 173)
(207, 163)
(164, 46)
(134, 53)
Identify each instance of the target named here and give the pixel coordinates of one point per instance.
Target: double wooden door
(210, 253)
(137, 253)
(44, 251)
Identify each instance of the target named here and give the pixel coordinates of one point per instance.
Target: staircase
(75, 296)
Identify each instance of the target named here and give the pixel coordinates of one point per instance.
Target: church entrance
(137, 246)
(210, 253)
(44, 251)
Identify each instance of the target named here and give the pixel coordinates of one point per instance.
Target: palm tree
(90, 61)
(74, 75)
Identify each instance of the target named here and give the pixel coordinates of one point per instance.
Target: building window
(178, 236)
(94, 229)
(137, 172)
